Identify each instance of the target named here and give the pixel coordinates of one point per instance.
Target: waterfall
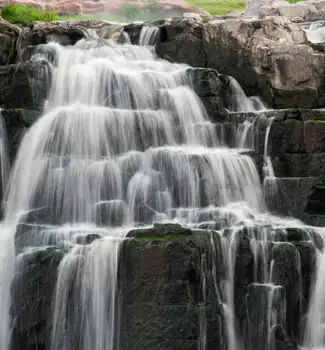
(149, 36)
(125, 142)
(316, 32)
(238, 101)
(315, 324)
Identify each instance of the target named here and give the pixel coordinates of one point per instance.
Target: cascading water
(315, 32)
(238, 101)
(125, 142)
(149, 36)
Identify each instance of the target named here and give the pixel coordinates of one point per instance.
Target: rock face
(270, 56)
(162, 300)
(33, 296)
(167, 278)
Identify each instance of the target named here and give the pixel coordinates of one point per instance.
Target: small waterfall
(316, 32)
(149, 36)
(314, 337)
(239, 102)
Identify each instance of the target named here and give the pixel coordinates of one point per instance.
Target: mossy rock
(161, 232)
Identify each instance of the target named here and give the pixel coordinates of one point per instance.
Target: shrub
(26, 15)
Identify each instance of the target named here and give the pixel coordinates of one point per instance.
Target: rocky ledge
(271, 56)
(169, 275)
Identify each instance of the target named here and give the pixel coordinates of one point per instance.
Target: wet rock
(24, 85)
(17, 121)
(33, 288)
(282, 341)
(308, 256)
(286, 272)
(298, 135)
(299, 165)
(162, 301)
(264, 308)
(212, 90)
(244, 272)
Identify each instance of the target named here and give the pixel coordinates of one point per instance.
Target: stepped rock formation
(181, 287)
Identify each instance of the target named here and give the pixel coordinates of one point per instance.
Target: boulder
(162, 298)
(269, 56)
(24, 85)
(33, 289)
(17, 121)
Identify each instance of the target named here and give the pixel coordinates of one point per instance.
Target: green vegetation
(218, 7)
(26, 15)
(222, 7)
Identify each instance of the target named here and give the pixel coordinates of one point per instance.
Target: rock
(287, 273)
(33, 289)
(8, 37)
(212, 90)
(269, 56)
(24, 85)
(298, 135)
(160, 231)
(162, 304)
(17, 121)
(295, 193)
(261, 300)
(306, 11)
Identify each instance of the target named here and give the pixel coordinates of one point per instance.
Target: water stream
(125, 142)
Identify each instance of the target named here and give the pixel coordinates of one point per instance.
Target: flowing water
(316, 32)
(125, 141)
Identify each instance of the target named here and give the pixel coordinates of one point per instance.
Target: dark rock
(17, 121)
(262, 300)
(162, 304)
(286, 272)
(32, 293)
(24, 85)
(211, 88)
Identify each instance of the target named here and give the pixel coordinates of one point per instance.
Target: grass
(222, 7)
(26, 15)
(218, 7)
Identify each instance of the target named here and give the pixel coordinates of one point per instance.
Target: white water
(123, 133)
(314, 337)
(149, 36)
(238, 100)
(316, 32)
(125, 141)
